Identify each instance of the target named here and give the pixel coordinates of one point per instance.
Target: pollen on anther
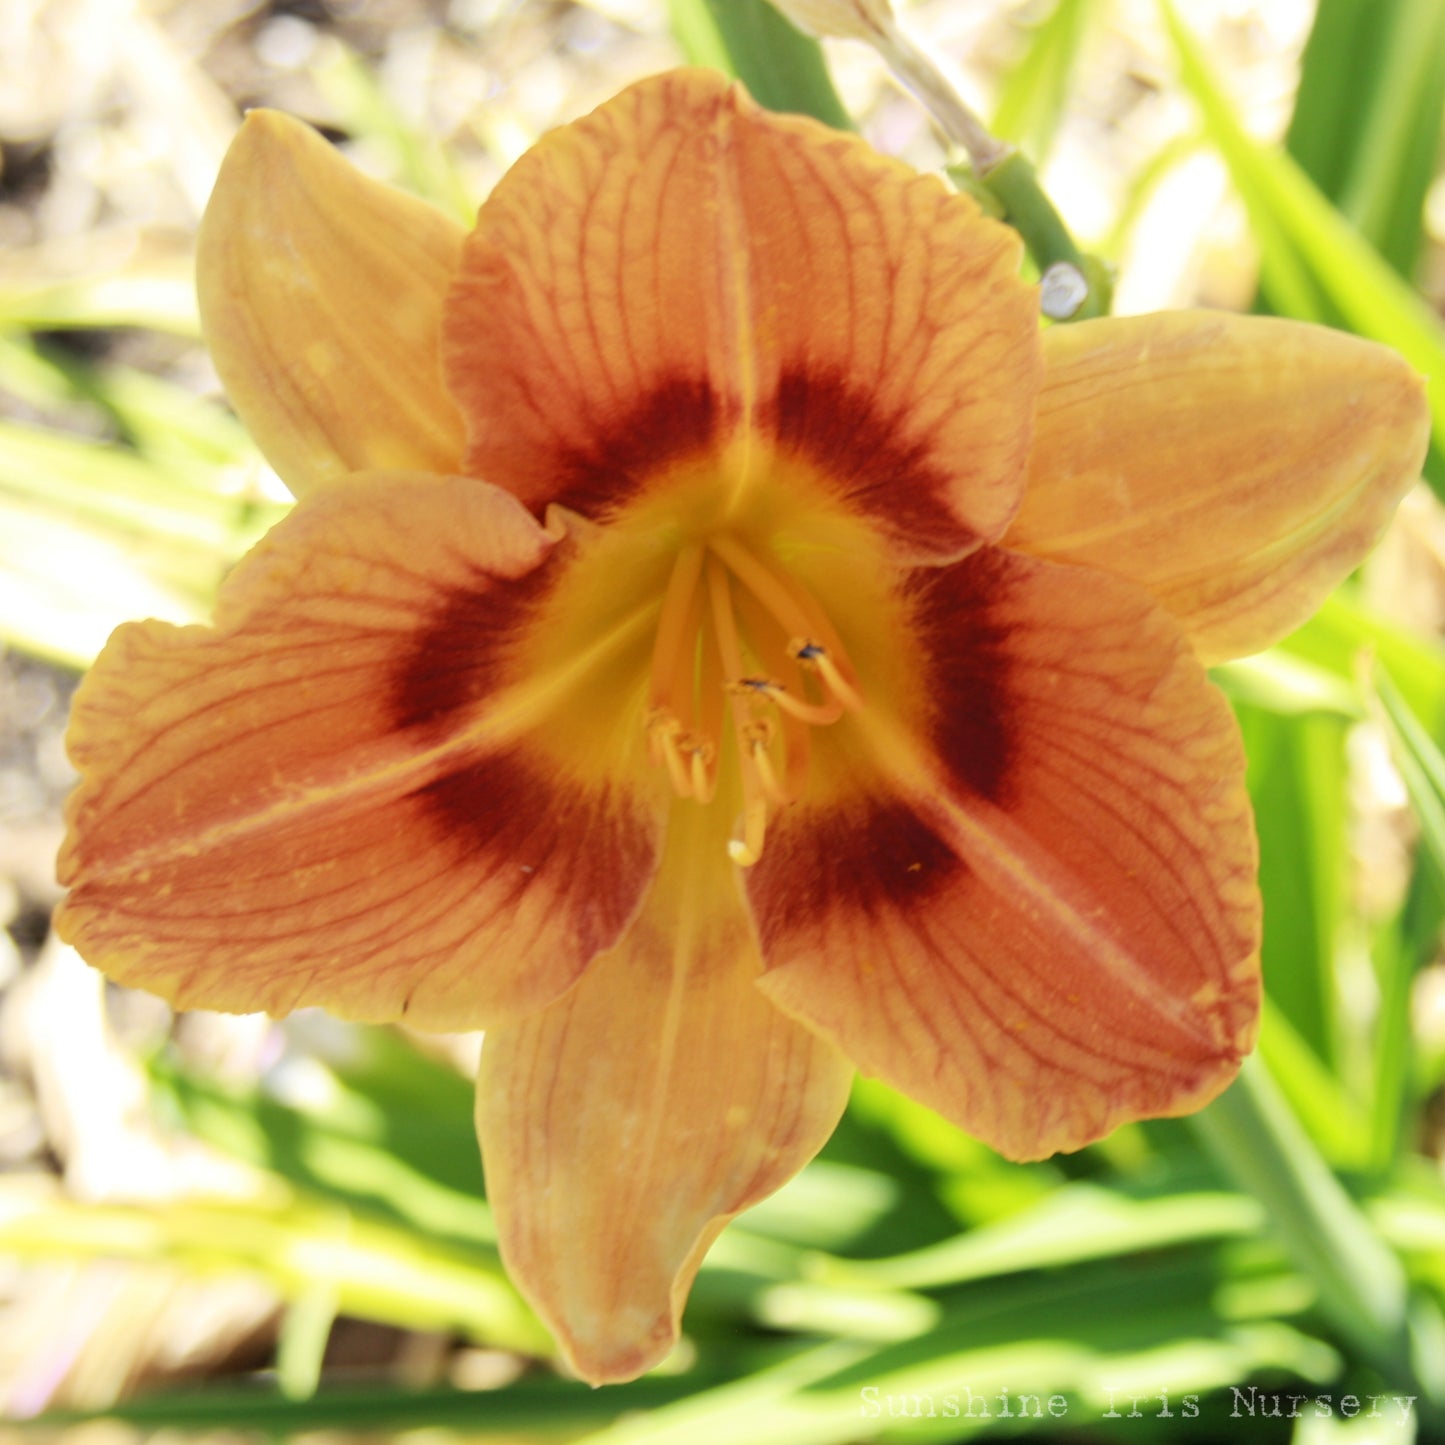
(828, 671)
(665, 733)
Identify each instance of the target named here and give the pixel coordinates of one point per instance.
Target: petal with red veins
(1030, 901)
(625, 1124)
(336, 795)
(321, 295)
(683, 274)
(1237, 466)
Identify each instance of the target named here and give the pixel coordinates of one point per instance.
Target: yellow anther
(701, 757)
(816, 656)
(665, 735)
(752, 687)
(761, 730)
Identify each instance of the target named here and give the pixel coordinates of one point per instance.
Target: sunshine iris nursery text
(1244, 1403)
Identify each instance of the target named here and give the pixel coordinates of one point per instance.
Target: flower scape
(721, 643)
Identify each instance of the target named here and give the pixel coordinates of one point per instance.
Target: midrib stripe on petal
(394, 767)
(1005, 859)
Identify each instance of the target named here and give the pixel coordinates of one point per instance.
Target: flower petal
(321, 296)
(337, 796)
(681, 270)
(1034, 909)
(1237, 466)
(624, 1125)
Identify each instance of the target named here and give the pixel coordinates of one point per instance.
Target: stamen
(839, 685)
(668, 734)
(769, 643)
(822, 662)
(712, 704)
(797, 614)
(758, 578)
(674, 648)
(746, 850)
(776, 793)
(819, 714)
(673, 645)
(717, 594)
(704, 775)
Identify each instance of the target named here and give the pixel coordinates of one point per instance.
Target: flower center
(740, 642)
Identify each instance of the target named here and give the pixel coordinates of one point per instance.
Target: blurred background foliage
(232, 1225)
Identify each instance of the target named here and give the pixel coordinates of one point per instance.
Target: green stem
(1014, 185)
(1073, 286)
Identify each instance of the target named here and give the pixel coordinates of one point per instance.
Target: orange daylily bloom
(720, 643)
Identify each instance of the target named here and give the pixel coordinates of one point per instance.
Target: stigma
(744, 659)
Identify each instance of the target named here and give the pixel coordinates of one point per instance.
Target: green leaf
(418, 160)
(1297, 783)
(1032, 1353)
(1333, 1118)
(782, 68)
(1275, 682)
(1420, 762)
(157, 293)
(1361, 1283)
(392, 1139)
(371, 1269)
(1302, 234)
(1033, 96)
(1344, 631)
(66, 585)
(1076, 1222)
(1422, 769)
(1070, 1338)
(539, 1403)
(1399, 1066)
(93, 534)
(1374, 156)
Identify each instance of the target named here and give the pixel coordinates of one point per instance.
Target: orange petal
(321, 295)
(1237, 466)
(682, 269)
(1039, 917)
(335, 797)
(624, 1125)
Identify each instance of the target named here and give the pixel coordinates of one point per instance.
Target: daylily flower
(719, 643)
